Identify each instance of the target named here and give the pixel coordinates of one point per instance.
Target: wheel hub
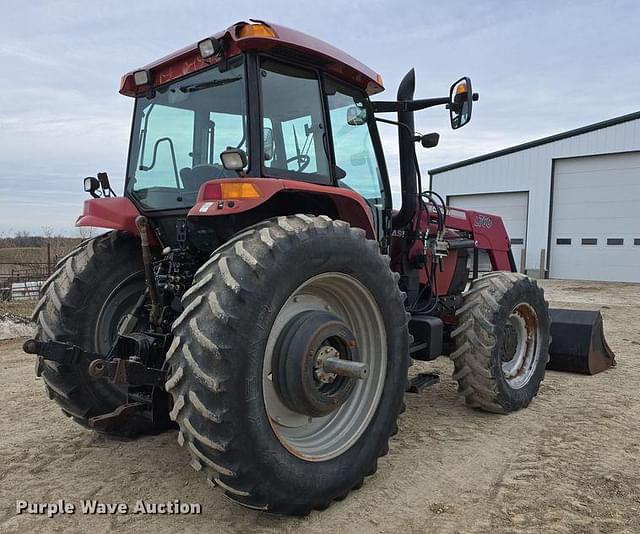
(324, 353)
(305, 375)
(318, 439)
(510, 342)
(521, 349)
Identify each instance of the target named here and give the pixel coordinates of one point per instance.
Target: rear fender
(349, 205)
(116, 213)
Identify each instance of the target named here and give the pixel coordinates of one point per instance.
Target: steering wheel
(302, 159)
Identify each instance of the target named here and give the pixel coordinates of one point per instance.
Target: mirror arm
(396, 123)
(385, 106)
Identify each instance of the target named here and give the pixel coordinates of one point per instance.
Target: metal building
(571, 198)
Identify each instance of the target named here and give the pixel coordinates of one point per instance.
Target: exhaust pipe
(408, 179)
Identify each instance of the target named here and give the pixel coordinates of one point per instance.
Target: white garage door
(595, 222)
(512, 207)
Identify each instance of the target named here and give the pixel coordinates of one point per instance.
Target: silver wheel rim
(322, 438)
(519, 369)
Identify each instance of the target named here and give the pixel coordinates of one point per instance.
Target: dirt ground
(569, 463)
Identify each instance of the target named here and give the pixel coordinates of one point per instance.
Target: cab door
(292, 109)
(356, 163)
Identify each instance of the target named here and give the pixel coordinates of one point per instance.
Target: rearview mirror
(267, 141)
(430, 140)
(356, 116)
(460, 102)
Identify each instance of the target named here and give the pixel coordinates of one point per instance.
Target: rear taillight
(212, 191)
(229, 191)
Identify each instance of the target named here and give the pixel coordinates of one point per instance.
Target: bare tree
(86, 232)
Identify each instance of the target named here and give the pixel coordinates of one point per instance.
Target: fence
(22, 281)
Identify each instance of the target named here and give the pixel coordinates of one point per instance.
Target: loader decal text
(483, 221)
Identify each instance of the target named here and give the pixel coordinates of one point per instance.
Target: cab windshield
(179, 133)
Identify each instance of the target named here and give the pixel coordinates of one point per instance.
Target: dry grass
(23, 255)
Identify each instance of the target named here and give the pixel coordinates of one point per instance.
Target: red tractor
(258, 290)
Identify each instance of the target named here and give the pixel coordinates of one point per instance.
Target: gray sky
(540, 68)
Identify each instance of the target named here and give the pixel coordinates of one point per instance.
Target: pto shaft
(346, 368)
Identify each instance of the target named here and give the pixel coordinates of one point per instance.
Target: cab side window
(170, 130)
(355, 156)
(292, 109)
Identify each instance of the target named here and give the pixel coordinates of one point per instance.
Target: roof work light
(141, 77)
(209, 47)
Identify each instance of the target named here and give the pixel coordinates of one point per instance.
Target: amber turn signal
(234, 190)
(255, 30)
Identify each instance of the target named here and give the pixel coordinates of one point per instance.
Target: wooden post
(523, 260)
(49, 257)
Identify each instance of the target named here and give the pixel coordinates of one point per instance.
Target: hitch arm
(118, 370)
(56, 351)
(128, 372)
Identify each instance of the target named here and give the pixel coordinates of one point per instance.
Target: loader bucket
(577, 342)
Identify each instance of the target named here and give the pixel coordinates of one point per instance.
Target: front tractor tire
(502, 342)
(258, 412)
(82, 303)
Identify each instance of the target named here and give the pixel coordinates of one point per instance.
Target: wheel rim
(521, 347)
(322, 438)
(118, 304)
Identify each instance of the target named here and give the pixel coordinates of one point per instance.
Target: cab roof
(262, 36)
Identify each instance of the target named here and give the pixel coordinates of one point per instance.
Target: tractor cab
(186, 133)
(262, 101)
(258, 101)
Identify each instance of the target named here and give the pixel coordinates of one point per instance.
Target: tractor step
(421, 381)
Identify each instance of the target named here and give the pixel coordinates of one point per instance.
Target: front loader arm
(488, 232)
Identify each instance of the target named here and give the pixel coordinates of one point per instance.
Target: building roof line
(538, 142)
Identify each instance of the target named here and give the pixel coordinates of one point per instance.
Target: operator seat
(193, 177)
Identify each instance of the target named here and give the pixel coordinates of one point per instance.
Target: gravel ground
(15, 319)
(569, 463)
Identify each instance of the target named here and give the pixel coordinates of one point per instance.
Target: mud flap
(577, 342)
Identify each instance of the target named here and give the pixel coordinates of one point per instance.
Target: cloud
(540, 68)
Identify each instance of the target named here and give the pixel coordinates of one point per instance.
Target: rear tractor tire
(259, 413)
(83, 302)
(502, 342)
